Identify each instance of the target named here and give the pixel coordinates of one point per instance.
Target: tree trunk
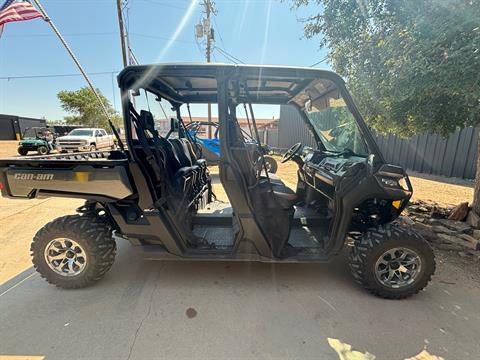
(476, 192)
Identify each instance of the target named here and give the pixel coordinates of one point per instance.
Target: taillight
(1, 186)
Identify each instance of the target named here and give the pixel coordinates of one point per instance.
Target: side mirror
(100, 135)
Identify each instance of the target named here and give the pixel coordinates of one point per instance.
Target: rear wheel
(271, 164)
(392, 262)
(42, 150)
(73, 251)
(22, 151)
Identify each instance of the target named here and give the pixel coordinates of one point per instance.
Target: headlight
(389, 182)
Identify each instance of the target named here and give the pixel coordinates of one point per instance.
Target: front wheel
(73, 251)
(42, 150)
(392, 262)
(22, 151)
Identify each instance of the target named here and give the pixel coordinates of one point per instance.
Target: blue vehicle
(211, 147)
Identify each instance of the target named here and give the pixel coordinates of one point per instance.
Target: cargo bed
(98, 175)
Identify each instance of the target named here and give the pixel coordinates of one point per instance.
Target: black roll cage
(157, 79)
(152, 78)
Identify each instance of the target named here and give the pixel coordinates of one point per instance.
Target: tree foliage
(85, 108)
(413, 66)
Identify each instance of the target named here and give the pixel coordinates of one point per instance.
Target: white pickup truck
(85, 139)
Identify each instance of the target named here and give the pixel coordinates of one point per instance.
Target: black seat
(285, 196)
(181, 150)
(179, 169)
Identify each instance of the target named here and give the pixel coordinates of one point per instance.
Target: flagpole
(75, 60)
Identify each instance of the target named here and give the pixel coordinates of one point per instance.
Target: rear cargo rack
(95, 155)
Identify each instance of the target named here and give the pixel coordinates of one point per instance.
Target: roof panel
(197, 82)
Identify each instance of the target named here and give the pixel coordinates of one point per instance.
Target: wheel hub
(398, 267)
(65, 257)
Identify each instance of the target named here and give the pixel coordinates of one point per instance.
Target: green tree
(85, 108)
(412, 65)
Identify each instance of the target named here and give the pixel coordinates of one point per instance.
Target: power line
(161, 38)
(225, 56)
(55, 75)
(318, 62)
(71, 34)
(218, 31)
(228, 55)
(164, 4)
(99, 34)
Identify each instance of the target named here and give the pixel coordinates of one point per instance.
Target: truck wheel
(42, 150)
(22, 151)
(73, 251)
(93, 147)
(392, 262)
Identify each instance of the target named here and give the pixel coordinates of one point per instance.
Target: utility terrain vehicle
(35, 139)
(210, 148)
(158, 193)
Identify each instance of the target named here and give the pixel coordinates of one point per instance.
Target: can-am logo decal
(39, 177)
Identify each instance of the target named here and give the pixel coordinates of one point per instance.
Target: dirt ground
(19, 221)
(8, 148)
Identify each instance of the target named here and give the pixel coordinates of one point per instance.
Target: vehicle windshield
(335, 125)
(81, 132)
(33, 133)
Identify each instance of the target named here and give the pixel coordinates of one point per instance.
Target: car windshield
(81, 132)
(335, 125)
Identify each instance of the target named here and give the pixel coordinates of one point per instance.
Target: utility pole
(122, 33)
(204, 29)
(208, 29)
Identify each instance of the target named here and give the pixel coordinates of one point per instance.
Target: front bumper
(73, 147)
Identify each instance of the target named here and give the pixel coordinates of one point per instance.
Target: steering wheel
(294, 150)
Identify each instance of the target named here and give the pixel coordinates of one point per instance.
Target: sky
(254, 31)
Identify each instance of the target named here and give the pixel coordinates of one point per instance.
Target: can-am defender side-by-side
(158, 192)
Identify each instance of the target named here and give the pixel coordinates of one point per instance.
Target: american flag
(17, 10)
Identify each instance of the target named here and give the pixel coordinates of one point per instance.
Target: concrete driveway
(151, 309)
